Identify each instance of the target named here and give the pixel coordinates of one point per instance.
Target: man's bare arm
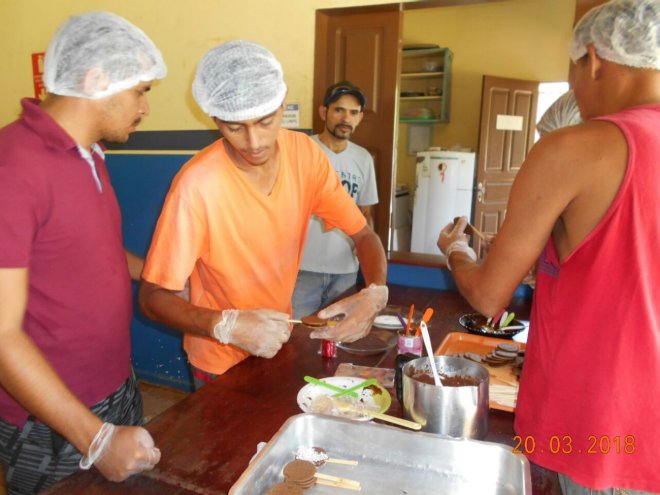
(27, 375)
(135, 265)
(368, 212)
(371, 255)
(543, 188)
(165, 306)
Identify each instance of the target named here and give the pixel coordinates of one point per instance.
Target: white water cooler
(443, 190)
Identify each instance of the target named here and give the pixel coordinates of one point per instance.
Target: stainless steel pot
(456, 411)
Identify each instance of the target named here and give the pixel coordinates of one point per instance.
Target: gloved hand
(261, 332)
(360, 310)
(453, 239)
(121, 451)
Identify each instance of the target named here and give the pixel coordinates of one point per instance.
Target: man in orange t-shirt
(235, 219)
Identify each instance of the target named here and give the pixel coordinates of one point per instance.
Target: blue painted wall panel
(141, 183)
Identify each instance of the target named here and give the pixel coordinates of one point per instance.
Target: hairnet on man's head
(98, 54)
(563, 112)
(239, 80)
(626, 32)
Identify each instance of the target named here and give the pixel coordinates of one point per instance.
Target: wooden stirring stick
(477, 232)
(472, 230)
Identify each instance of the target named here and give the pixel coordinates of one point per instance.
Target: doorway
(362, 45)
(485, 49)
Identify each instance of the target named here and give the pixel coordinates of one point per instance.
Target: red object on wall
(37, 75)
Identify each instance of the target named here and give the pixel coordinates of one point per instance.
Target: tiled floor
(156, 399)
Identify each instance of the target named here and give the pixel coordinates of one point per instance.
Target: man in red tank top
(586, 202)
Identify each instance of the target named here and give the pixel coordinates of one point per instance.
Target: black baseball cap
(337, 90)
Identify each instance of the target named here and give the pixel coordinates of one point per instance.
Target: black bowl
(476, 323)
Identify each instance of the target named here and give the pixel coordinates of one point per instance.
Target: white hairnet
(626, 32)
(98, 54)
(563, 112)
(238, 81)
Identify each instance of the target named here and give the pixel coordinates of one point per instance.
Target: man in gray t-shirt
(329, 266)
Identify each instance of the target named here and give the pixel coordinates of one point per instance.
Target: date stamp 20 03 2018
(566, 445)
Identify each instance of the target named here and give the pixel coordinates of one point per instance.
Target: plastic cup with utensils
(410, 343)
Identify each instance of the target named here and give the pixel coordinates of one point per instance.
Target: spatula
(359, 386)
(429, 351)
(329, 386)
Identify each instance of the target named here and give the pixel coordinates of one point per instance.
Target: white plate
(389, 322)
(365, 396)
(522, 336)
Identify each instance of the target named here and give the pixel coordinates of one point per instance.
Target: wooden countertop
(208, 438)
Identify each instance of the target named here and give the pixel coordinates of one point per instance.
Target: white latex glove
(453, 239)
(121, 451)
(360, 310)
(261, 332)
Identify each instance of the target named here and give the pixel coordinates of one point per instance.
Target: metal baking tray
(391, 461)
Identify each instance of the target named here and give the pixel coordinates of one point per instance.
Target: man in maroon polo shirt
(69, 398)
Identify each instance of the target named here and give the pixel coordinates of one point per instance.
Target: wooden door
(363, 45)
(508, 119)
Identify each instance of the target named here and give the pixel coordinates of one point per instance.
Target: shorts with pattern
(35, 456)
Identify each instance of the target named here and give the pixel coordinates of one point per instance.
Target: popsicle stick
(471, 229)
(383, 417)
(294, 321)
(338, 485)
(337, 479)
(397, 421)
(478, 232)
(345, 462)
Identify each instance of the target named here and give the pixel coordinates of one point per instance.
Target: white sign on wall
(291, 116)
(509, 123)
